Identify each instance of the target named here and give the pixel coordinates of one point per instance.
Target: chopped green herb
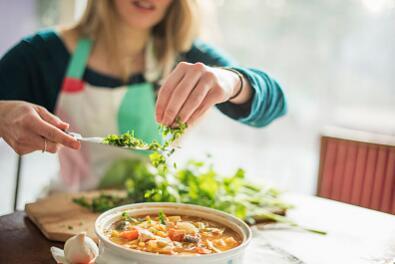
(162, 217)
(157, 159)
(176, 132)
(155, 145)
(128, 139)
(126, 217)
(125, 140)
(82, 201)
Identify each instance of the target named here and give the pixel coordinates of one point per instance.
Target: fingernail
(76, 145)
(66, 126)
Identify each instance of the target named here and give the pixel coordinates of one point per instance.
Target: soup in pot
(172, 235)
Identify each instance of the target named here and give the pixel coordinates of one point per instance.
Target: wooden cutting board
(59, 218)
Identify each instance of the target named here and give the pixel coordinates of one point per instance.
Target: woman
(104, 74)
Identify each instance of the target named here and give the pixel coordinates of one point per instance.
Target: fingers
(52, 119)
(26, 125)
(194, 100)
(189, 91)
(179, 97)
(166, 90)
(39, 143)
(52, 147)
(33, 143)
(53, 134)
(208, 102)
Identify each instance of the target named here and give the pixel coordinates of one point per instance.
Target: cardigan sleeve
(267, 101)
(28, 72)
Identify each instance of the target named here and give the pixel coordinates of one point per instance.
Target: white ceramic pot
(112, 253)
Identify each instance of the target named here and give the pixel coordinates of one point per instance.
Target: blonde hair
(171, 36)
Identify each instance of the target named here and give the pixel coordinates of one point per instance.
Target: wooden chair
(358, 168)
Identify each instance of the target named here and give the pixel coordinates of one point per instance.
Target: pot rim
(245, 229)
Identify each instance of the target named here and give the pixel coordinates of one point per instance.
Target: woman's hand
(25, 126)
(191, 89)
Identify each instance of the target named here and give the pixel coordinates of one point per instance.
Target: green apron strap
(79, 58)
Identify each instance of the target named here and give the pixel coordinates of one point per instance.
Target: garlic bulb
(79, 249)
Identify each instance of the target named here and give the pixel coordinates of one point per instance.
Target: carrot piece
(130, 235)
(175, 235)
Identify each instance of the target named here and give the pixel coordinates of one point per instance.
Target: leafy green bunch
(199, 183)
(195, 183)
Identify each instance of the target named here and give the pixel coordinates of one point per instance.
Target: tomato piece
(176, 235)
(130, 235)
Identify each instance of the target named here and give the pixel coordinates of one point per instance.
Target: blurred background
(334, 59)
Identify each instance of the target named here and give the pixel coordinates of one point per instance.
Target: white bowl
(113, 253)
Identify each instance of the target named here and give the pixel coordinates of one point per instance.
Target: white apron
(99, 111)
